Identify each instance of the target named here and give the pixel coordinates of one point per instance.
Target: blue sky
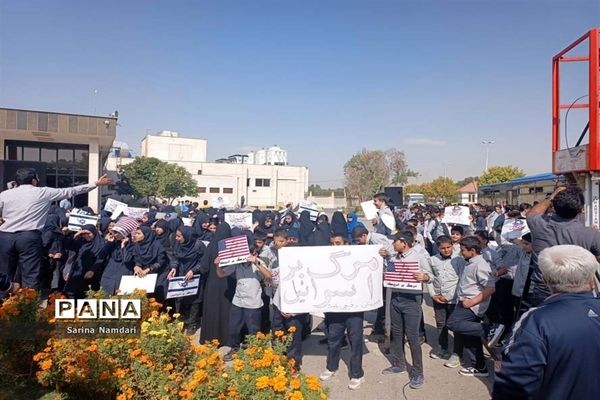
(322, 79)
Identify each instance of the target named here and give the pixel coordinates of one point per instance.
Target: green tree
(366, 173)
(143, 175)
(175, 181)
(369, 171)
(442, 190)
(466, 181)
(499, 174)
(399, 171)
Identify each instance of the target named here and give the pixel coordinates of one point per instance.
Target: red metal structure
(580, 158)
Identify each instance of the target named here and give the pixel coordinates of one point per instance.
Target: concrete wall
(328, 202)
(175, 149)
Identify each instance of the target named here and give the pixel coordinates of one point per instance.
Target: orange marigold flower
(136, 352)
(168, 367)
(46, 364)
(262, 382)
(292, 329)
(104, 375)
(278, 333)
(313, 382)
(295, 395)
(295, 383)
(260, 335)
(238, 365)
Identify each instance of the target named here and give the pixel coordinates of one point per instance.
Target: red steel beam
(563, 106)
(574, 58)
(594, 65)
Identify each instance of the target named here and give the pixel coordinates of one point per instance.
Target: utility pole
(487, 144)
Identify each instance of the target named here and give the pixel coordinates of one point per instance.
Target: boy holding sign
(405, 274)
(247, 300)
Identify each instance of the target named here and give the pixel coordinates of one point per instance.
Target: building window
(201, 190)
(259, 182)
(199, 172)
(21, 119)
(43, 122)
(228, 190)
(214, 190)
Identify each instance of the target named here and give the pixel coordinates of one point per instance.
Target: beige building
(66, 149)
(229, 183)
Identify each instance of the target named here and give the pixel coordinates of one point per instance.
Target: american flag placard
(398, 274)
(234, 250)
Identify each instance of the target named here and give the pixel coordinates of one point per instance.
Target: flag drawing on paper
(77, 221)
(179, 288)
(399, 274)
(233, 250)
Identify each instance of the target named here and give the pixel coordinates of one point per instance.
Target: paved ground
(441, 383)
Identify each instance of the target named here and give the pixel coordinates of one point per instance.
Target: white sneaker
(327, 375)
(355, 383)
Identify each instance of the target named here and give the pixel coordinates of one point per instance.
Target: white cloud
(425, 142)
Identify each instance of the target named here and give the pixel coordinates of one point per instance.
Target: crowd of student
(480, 281)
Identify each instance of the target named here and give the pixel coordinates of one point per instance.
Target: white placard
(179, 288)
(220, 202)
(330, 279)
(309, 206)
(129, 283)
(514, 229)
(135, 212)
(120, 209)
(112, 204)
(76, 221)
(457, 215)
(187, 221)
(239, 220)
(369, 209)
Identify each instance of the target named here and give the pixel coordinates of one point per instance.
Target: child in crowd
(338, 323)
(446, 270)
(247, 301)
(475, 287)
(405, 308)
(456, 233)
(282, 321)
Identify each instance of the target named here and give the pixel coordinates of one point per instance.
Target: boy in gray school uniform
(475, 287)
(446, 269)
(247, 300)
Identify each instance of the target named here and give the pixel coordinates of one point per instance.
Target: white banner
(457, 215)
(129, 283)
(239, 220)
(112, 204)
(135, 212)
(310, 207)
(179, 288)
(76, 221)
(330, 279)
(369, 209)
(514, 229)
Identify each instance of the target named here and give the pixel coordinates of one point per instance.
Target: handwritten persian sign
(514, 229)
(330, 279)
(457, 215)
(239, 220)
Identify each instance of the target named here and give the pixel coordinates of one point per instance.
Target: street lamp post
(487, 144)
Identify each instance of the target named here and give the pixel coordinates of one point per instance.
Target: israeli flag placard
(179, 288)
(76, 221)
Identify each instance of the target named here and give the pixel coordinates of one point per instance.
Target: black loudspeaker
(396, 194)
(8, 169)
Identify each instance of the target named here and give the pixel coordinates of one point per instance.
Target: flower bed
(161, 364)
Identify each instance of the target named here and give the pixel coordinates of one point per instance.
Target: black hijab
(148, 250)
(306, 228)
(321, 235)
(212, 251)
(94, 246)
(52, 224)
(338, 224)
(187, 249)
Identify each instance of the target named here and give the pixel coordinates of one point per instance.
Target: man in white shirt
(23, 212)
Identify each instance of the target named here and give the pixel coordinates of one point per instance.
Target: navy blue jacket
(554, 352)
